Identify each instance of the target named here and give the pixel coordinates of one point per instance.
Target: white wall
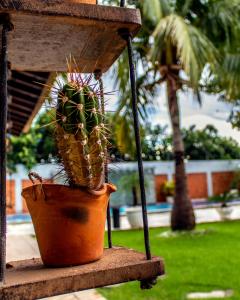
(202, 166)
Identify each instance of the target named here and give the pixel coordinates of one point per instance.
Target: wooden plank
(46, 34)
(41, 99)
(83, 1)
(29, 279)
(24, 92)
(28, 92)
(22, 101)
(33, 76)
(18, 114)
(16, 107)
(26, 85)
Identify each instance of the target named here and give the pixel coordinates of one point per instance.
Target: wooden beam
(35, 76)
(22, 92)
(18, 123)
(40, 101)
(29, 279)
(14, 131)
(24, 101)
(19, 106)
(25, 83)
(18, 114)
(18, 126)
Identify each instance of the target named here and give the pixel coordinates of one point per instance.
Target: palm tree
(183, 44)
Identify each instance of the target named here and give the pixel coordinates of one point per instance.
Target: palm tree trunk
(182, 217)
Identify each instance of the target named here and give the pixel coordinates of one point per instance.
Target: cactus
(80, 134)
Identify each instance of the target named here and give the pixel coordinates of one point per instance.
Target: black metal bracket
(147, 284)
(125, 34)
(98, 76)
(6, 27)
(122, 3)
(5, 20)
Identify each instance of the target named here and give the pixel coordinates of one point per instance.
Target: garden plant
(62, 212)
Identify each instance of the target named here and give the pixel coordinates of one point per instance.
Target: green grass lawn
(200, 262)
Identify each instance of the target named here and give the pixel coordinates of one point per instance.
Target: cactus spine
(80, 134)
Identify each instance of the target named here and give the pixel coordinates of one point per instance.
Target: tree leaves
(194, 49)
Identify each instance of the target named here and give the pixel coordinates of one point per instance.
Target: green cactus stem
(80, 135)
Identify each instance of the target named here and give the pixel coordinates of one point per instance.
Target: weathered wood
(83, 1)
(47, 32)
(39, 103)
(20, 107)
(29, 279)
(27, 92)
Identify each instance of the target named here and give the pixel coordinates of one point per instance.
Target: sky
(212, 111)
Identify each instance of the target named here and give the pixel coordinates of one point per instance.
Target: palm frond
(183, 7)
(194, 49)
(221, 20)
(231, 76)
(155, 10)
(124, 135)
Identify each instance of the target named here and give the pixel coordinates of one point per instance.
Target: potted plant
(69, 220)
(224, 210)
(168, 188)
(130, 183)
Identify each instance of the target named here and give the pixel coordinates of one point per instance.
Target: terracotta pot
(69, 222)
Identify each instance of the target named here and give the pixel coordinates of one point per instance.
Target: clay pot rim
(102, 191)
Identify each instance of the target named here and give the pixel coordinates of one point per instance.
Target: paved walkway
(85, 295)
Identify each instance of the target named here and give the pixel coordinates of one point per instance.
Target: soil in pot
(69, 222)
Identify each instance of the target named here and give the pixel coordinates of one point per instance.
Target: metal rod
(125, 34)
(3, 121)
(98, 76)
(122, 3)
(109, 227)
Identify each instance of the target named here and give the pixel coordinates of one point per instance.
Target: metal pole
(4, 21)
(126, 35)
(148, 282)
(98, 76)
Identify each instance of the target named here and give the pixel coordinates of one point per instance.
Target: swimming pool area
(19, 218)
(151, 208)
(166, 207)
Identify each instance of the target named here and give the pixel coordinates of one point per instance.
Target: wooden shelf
(29, 279)
(47, 32)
